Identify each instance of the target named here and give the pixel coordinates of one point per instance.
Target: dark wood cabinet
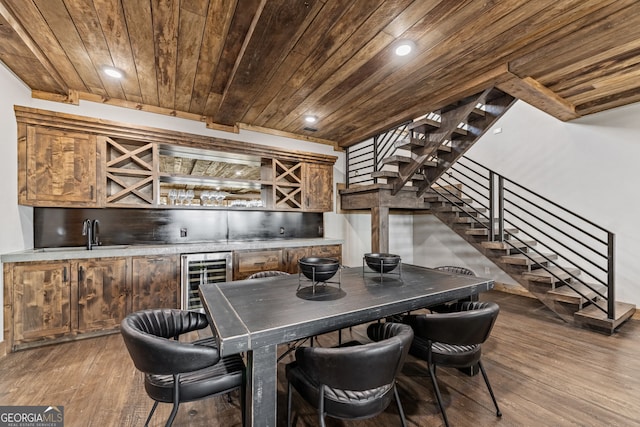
(155, 282)
(41, 301)
(245, 263)
(70, 161)
(327, 251)
(104, 293)
(293, 255)
(57, 168)
(55, 301)
(318, 187)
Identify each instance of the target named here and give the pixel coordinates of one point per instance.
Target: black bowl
(318, 269)
(382, 263)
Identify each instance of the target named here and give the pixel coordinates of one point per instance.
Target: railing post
(346, 160)
(500, 208)
(375, 157)
(611, 300)
(492, 230)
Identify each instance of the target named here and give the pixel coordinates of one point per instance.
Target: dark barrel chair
(456, 270)
(444, 307)
(267, 273)
(176, 371)
(355, 381)
(453, 339)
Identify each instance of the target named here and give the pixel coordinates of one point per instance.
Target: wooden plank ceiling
(264, 64)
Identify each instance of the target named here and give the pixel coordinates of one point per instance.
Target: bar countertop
(53, 254)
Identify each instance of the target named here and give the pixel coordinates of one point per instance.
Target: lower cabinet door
(42, 304)
(155, 282)
(104, 293)
(293, 255)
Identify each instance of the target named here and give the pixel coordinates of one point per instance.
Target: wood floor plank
(543, 371)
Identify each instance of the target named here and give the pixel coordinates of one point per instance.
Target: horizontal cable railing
(366, 157)
(577, 252)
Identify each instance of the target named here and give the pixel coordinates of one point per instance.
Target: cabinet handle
(64, 274)
(91, 190)
(80, 274)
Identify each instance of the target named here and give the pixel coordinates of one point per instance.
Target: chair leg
(288, 404)
(176, 400)
(486, 380)
(243, 398)
(321, 407)
(155, 405)
(400, 410)
(174, 412)
(434, 381)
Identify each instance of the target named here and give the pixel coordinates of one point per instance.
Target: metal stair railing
(366, 157)
(578, 243)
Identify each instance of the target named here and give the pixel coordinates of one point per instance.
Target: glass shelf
(216, 179)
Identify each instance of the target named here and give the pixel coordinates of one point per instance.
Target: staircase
(560, 258)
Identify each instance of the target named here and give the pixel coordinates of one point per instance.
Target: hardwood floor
(544, 373)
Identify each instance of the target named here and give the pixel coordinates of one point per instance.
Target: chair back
(396, 331)
(469, 323)
(148, 337)
(456, 270)
(267, 273)
(359, 367)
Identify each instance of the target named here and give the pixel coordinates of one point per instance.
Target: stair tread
(509, 244)
(435, 198)
(485, 231)
(385, 174)
(423, 124)
(591, 315)
(529, 259)
(478, 112)
(542, 275)
(395, 160)
(570, 294)
(465, 209)
(410, 142)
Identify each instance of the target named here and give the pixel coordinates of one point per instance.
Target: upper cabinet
(73, 161)
(57, 168)
(318, 187)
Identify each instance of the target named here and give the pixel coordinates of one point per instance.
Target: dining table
(254, 316)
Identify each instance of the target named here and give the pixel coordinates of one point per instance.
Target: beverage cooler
(198, 269)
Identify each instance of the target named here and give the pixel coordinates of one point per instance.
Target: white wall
(16, 222)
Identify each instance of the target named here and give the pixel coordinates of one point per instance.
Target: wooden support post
(380, 229)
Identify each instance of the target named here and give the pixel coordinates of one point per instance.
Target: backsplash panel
(62, 227)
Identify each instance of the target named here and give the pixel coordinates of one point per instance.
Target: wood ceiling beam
(534, 93)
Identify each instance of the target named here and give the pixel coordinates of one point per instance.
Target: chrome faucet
(91, 229)
(95, 232)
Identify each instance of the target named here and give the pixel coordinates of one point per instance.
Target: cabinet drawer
(247, 263)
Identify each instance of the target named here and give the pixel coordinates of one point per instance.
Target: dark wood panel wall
(58, 227)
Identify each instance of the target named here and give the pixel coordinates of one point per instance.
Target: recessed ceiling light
(310, 119)
(404, 47)
(113, 72)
